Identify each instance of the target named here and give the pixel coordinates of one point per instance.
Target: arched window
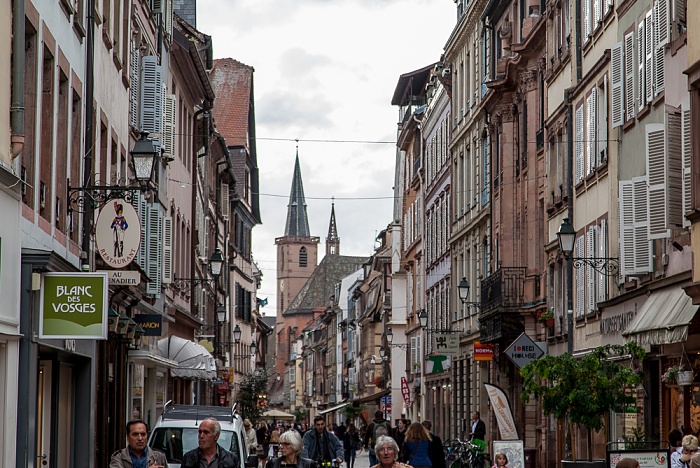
(302, 257)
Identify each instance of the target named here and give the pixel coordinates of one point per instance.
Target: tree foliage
(353, 410)
(254, 384)
(585, 389)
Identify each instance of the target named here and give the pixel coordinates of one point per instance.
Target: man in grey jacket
(137, 454)
(321, 445)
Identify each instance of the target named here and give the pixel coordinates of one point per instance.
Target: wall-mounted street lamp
(390, 338)
(607, 266)
(423, 320)
(216, 263)
(143, 161)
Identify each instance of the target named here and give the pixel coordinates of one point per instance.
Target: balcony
(502, 294)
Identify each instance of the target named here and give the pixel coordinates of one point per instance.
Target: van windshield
(176, 441)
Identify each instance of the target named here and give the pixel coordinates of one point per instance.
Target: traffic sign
(523, 350)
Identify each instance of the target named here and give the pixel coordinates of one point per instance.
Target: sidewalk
(361, 460)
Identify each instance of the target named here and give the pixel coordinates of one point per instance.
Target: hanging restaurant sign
(118, 233)
(73, 306)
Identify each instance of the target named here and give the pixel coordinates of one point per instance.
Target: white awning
(663, 319)
(333, 408)
(193, 360)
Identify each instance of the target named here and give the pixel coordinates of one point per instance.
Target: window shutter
(169, 126)
(679, 11)
(616, 78)
(642, 247)
(168, 18)
(592, 153)
(674, 170)
(606, 6)
(687, 179)
(138, 201)
(660, 40)
(590, 271)
(602, 123)
(649, 57)
(626, 209)
(596, 13)
(151, 98)
(603, 253)
(586, 20)
(225, 202)
(154, 249)
(167, 250)
(580, 148)
(629, 75)
(134, 91)
(156, 6)
(656, 170)
(580, 285)
(641, 81)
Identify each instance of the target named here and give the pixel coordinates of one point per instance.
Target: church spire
(297, 220)
(332, 241)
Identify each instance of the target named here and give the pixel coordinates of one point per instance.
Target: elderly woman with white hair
(290, 452)
(387, 451)
(688, 448)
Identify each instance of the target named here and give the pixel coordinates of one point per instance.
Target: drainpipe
(570, 214)
(579, 42)
(17, 107)
(205, 108)
(88, 146)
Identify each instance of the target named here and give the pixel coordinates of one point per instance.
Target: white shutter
(641, 81)
(167, 250)
(580, 279)
(169, 125)
(586, 20)
(661, 26)
(225, 201)
(138, 201)
(154, 249)
(591, 122)
(151, 98)
(649, 57)
(168, 20)
(626, 210)
(603, 253)
(134, 91)
(687, 179)
(656, 171)
(642, 244)
(674, 169)
(596, 13)
(616, 79)
(590, 271)
(606, 6)
(602, 123)
(629, 75)
(580, 148)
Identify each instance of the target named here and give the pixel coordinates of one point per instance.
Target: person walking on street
(378, 427)
(435, 451)
(320, 444)
(137, 454)
(209, 451)
(400, 436)
(250, 436)
(290, 453)
(478, 432)
(415, 450)
(388, 452)
(351, 441)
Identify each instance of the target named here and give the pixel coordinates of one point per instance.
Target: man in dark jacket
(209, 450)
(435, 451)
(321, 444)
(478, 427)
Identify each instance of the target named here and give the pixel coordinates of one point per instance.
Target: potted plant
(670, 377)
(546, 317)
(583, 391)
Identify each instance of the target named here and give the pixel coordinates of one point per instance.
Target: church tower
(332, 241)
(297, 257)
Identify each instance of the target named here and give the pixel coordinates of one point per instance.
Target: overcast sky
(325, 73)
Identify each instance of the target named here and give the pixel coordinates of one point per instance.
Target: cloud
(281, 110)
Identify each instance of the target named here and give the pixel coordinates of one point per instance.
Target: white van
(177, 432)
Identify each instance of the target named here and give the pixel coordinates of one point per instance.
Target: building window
(302, 257)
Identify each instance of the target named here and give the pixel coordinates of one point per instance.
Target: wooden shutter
(154, 249)
(134, 90)
(642, 244)
(687, 179)
(580, 278)
(596, 13)
(674, 169)
(151, 98)
(616, 79)
(225, 202)
(586, 20)
(656, 171)
(661, 26)
(138, 201)
(641, 81)
(579, 145)
(602, 123)
(603, 253)
(629, 76)
(648, 57)
(591, 122)
(169, 125)
(590, 271)
(607, 4)
(167, 250)
(626, 210)
(168, 20)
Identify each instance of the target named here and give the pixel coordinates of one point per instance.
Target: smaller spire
(332, 241)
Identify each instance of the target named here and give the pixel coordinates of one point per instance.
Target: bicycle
(469, 455)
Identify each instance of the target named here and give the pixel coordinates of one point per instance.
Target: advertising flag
(504, 416)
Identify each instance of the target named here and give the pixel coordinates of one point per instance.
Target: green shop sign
(73, 306)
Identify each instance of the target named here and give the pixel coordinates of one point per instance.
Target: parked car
(176, 432)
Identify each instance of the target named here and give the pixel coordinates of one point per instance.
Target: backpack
(380, 429)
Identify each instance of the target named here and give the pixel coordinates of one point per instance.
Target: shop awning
(193, 360)
(333, 408)
(663, 319)
(373, 397)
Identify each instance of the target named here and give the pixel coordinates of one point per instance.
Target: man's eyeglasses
(386, 449)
